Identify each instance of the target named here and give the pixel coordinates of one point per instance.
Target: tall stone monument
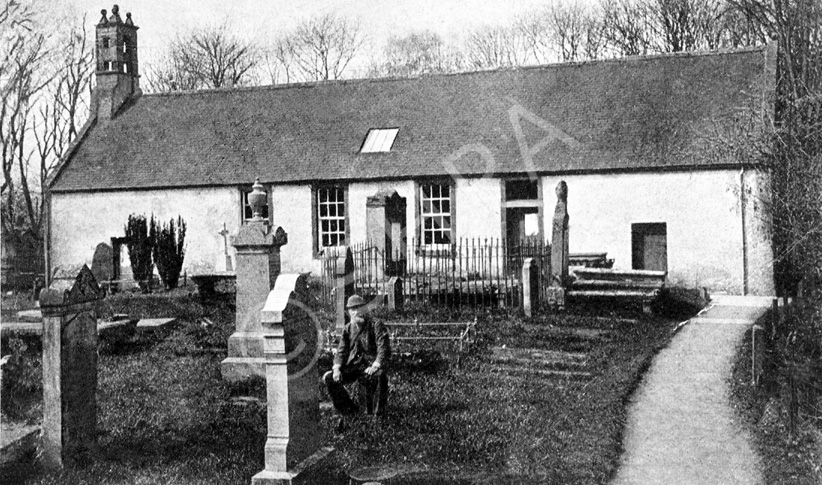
(386, 230)
(560, 259)
(70, 369)
(258, 265)
(292, 347)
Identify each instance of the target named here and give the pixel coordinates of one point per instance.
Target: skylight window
(379, 140)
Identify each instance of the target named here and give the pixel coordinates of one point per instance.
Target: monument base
(236, 369)
(296, 475)
(245, 357)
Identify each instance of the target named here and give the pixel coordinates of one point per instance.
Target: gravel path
(681, 428)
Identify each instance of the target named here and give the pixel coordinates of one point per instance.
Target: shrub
(169, 249)
(139, 244)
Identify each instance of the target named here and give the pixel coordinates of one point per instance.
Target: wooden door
(649, 246)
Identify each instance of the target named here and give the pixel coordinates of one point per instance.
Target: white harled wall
(81, 221)
(701, 210)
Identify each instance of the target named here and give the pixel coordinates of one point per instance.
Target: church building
(652, 149)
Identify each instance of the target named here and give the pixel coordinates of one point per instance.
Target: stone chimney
(117, 71)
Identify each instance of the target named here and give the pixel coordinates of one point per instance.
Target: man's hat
(355, 301)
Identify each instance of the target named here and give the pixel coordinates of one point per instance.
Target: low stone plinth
(17, 329)
(151, 325)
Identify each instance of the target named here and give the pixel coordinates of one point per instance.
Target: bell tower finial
(116, 67)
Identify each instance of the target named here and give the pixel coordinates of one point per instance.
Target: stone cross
(70, 369)
(292, 347)
(224, 233)
(258, 265)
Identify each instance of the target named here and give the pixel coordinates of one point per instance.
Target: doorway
(649, 246)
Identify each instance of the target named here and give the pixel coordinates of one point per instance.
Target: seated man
(361, 356)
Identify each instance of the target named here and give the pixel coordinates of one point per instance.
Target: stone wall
(701, 209)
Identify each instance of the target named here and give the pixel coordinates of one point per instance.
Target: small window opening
(379, 140)
(125, 47)
(125, 68)
(105, 42)
(108, 66)
(521, 190)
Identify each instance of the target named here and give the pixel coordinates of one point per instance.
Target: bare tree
(65, 102)
(414, 54)
(489, 47)
(627, 26)
(212, 57)
(562, 31)
(320, 48)
(278, 61)
(686, 25)
(23, 77)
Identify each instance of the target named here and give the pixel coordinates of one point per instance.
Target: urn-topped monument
(258, 264)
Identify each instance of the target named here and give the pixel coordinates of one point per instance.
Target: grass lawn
(794, 459)
(165, 415)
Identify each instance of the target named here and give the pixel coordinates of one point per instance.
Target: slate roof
(639, 113)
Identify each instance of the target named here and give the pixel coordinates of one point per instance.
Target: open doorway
(649, 246)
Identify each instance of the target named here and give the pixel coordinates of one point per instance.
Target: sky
(262, 20)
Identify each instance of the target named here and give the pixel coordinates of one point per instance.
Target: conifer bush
(139, 243)
(169, 249)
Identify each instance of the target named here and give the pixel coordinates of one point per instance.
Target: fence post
(70, 369)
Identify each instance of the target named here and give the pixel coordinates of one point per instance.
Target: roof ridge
(554, 65)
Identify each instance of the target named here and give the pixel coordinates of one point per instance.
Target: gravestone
(258, 265)
(386, 230)
(530, 286)
(70, 369)
(292, 347)
(102, 264)
(343, 286)
(394, 296)
(560, 257)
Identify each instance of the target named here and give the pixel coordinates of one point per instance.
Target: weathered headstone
(559, 237)
(102, 264)
(70, 369)
(292, 348)
(530, 286)
(394, 296)
(386, 229)
(560, 257)
(258, 265)
(343, 286)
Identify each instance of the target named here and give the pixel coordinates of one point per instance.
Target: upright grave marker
(291, 352)
(559, 249)
(343, 286)
(530, 286)
(258, 265)
(70, 369)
